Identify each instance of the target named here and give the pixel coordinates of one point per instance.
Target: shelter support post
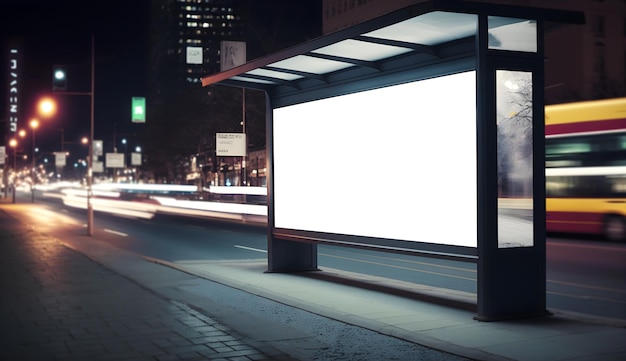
(283, 255)
(511, 204)
(291, 256)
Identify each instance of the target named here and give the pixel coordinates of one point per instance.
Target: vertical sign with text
(13, 89)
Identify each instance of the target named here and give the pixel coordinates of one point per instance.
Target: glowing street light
(47, 107)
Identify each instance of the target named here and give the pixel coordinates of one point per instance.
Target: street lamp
(47, 107)
(34, 124)
(59, 83)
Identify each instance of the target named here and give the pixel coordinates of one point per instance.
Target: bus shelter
(421, 131)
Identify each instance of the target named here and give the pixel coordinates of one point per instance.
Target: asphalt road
(586, 276)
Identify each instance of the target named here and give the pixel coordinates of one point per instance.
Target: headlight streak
(107, 199)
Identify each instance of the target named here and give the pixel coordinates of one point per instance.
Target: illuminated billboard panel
(397, 162)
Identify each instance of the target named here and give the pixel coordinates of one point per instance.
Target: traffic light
(59, 77)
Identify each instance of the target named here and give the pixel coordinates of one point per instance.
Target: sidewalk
(57, 304)
(120, 306)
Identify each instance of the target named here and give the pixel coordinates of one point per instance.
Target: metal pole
(32, 171)
(14, 170)
(90, 160)
(5, 168)
(243, 124)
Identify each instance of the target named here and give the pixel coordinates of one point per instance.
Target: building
(185, 40)
(186, 44)
(582, 62)
(187, 34)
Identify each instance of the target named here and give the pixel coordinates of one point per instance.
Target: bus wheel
(615, 228)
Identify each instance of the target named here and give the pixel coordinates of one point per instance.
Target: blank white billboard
(396, 163)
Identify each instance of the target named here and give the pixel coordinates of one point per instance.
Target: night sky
(59, 32)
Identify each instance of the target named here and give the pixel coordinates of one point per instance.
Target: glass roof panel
(252, 80)
(310, 65)
(361, 50)
(512, 34)
(430, 29)
(275, 74)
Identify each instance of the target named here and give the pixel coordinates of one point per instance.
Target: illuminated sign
(230, 144)
(232, 54)
(135, 159)
(13, 103)
(194, 55)
(97, 148)
(115, 160)
(60, 159)
(138, 109)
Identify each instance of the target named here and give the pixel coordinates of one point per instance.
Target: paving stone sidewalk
(57, 304)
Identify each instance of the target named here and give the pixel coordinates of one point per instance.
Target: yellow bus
(586, 168)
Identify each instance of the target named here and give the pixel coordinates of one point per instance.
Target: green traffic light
(59, 74)
(59, 78)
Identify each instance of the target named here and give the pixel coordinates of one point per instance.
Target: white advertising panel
(115, 160)
(395, 163)
(230, 144)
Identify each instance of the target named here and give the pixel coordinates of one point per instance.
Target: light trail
(115, 232)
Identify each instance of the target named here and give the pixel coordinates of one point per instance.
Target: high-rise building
(186, 36)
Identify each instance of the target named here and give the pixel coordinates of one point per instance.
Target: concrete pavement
(76, 297)
(58, 304)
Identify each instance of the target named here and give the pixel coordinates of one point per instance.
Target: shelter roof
(435, 33)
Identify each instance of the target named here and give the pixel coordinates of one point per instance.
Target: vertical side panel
(511, 276)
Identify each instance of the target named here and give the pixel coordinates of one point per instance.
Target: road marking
(400, 267)
(393, 259)
(252, 249)
(586, 297)
(116, 232)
